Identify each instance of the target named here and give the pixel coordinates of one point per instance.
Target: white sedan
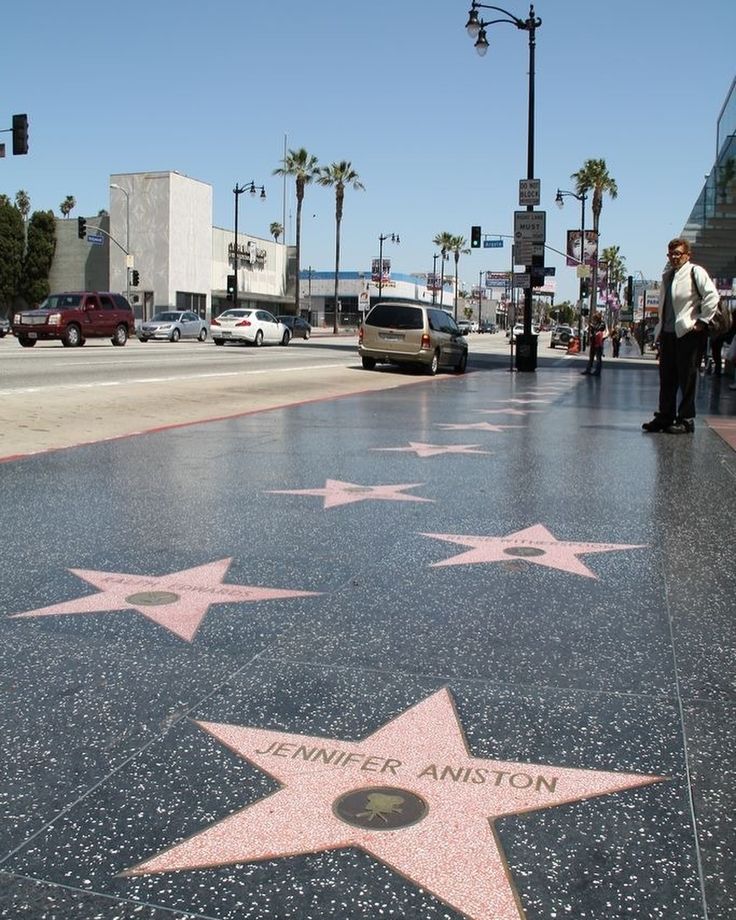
(248, 326)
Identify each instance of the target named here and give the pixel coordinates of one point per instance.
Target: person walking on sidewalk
(598, 337)
(688, 300)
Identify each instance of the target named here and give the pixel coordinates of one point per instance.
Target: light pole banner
(573, 247)
(376, 274)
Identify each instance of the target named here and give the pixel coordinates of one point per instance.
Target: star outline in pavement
(338, 492)
(184, 596)
(535, 544)
(422, 449)
(427, 729)
(475, 426)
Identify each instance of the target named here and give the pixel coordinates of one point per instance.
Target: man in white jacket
(688, 300)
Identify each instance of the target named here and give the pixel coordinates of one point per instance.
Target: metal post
(480, 298)
(381, 238)
(127, 241)
(434, 277)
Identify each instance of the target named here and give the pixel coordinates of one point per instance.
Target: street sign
(521, 279)
(530, 225)
(97, 239)
(529, 191)
(493, 244)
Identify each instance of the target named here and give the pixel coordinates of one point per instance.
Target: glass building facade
(711, 227)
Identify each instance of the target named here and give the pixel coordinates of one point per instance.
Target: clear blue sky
(436, 133)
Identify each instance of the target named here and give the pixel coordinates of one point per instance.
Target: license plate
(32, 335)
(225, 334)
(391, 336)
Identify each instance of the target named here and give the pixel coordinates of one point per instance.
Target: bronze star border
(353, 794)
(177, 601)
(337, 492)
(533, 544)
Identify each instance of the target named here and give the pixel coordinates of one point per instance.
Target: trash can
(526, 352)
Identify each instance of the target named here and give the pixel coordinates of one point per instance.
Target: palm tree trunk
(337, 272)
(299, 199)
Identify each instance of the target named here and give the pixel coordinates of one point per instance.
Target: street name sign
(97, 239)
(493, 244)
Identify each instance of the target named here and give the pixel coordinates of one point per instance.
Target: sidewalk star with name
(177, 601)
(533, 544)
(336, 492)
(474, 426)
(432, 450)
(411, 795)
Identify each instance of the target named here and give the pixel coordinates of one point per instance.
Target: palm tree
(303, 167)
(68, 205)
(444, 241)
(276, 230)
(23, 203)
(616, 268)
(340, 175)
(459, 245)
(594, 175)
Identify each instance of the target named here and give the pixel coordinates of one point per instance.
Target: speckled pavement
(463, 649)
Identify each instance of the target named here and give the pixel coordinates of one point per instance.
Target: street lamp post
(392, 237)
(434, 277)
(127, 241)
(476, 29)
(238, 191)
(560, 201)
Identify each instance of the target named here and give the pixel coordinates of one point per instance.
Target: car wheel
(462, 363)
(219, 341)
(306, 334)
(26, 342)
(202, 335)
(286, 338)
(258, 341)
(175, 335)
(120, 336)
(368, 363)
(72, 336)
(551, 344)
(435, 365)
(142, 338)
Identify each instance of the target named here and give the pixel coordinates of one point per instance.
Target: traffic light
(584, 287)
(134, 277)
(81, 227)
(231, 287)
(475, 237)
(20, 134)
(630, 291)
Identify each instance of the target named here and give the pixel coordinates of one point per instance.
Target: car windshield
(61, 301)
(235, 314)
(166, 318)
(391, 316)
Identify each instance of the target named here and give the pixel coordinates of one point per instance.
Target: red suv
(76, 317)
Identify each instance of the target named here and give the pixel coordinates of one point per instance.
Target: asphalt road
(53, 397)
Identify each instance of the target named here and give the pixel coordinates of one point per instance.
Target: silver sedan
(173, 325)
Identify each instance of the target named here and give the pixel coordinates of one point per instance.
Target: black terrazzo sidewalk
(489, 606)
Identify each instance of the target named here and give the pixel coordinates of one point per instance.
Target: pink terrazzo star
(336, 492)
(411, 795)
(177, 601)
(533, 544)
(431, 450)
(475, 426)
(508, 411)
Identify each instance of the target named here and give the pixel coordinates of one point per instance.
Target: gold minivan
(414, 334)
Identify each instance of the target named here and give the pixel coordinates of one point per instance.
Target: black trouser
(678, 370)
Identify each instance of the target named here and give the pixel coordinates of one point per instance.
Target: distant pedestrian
(615, 341)
(687, 302)
(598, 337)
